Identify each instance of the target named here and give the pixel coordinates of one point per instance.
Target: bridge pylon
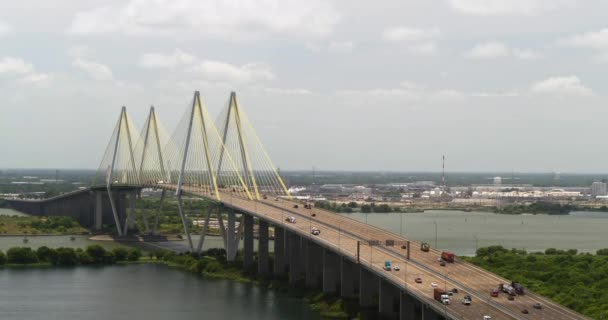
(119, 166)
(247, 152)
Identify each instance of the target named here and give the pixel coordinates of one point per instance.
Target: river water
(462, 232)
(147, 291)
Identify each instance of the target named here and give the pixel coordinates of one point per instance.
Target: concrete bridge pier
(429, 314)
(368, 288)
(331, 272)
(407, 307)
(349, 280)
(247, 241)
(98, 211)
(295, 257)
(314, 267)
(279, 251)
(231, 248)
(263, 248)
(388, 300)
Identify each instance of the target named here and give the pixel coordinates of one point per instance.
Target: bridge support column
(314, 269)
(429, 314)
(368, 288)
(407, 307)
(231, 237)
(263, 248)
(388, 302)
(349, 281)
(247, 241)
(295, 257)
(331, 271)
(279, 251)
(98, 210)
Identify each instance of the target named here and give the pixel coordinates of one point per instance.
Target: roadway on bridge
(342, 234)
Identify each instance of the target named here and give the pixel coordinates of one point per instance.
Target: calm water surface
(462, 232)
(152, 292)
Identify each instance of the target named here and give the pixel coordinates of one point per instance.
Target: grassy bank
(21, 225)
(578, 281)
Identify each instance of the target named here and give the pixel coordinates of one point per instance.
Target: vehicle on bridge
(418, 280)
(447, 256)
(441, 296)
(519, 289)
(396, 268)
(291, 219)
(494, 292)
(507, 289)
(425, 247)
(315, 231)
(466, 301)
(387, 265)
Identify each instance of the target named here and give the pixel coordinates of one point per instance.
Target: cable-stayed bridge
(225, 162)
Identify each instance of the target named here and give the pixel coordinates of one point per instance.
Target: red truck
(441, 296)
(447, 256)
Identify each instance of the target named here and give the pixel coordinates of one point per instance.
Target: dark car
(525, 311)
(468, 297)
(511, 298)
(442, 263)
(295, 206)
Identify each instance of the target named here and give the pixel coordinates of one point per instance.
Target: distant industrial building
(598, 189)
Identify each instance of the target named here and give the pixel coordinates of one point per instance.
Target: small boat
(25, 240)
(72, 238)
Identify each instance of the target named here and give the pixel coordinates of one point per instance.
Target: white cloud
(211, 70)
(427, 48)
(415, 40)
(5, 28)
(592, 39)
(214, 17)
(405, 34)
(526, 54)
(221, 71)
(340, 46)
(569, 85)
(496, 49)
(287, 91)
(11, 65)
(492, 49)
(499, 7)
(21, 71)
(158, 60)
(93, 69)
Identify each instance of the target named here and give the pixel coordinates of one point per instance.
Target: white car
(466, 302)
(487, 318)
(396, 268)
(291, 219)
(445, 299)
(433, 284)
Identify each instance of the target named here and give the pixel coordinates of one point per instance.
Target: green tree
(120, 254)
(2, 258)
(21, 255)
(66, 257)
(134, 254)
(97, 254)
(366, 208)
(46, 254)
(602, 252)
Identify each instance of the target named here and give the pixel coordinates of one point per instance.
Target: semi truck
(440, 295)
(518, 288)
(447, 256)
(507, 289)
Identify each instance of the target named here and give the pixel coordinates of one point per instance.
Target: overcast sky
(352, 85)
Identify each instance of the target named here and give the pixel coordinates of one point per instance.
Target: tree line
(91, 255)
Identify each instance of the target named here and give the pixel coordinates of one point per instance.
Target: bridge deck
(342, 234)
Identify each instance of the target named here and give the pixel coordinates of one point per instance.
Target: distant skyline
(495, 85)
